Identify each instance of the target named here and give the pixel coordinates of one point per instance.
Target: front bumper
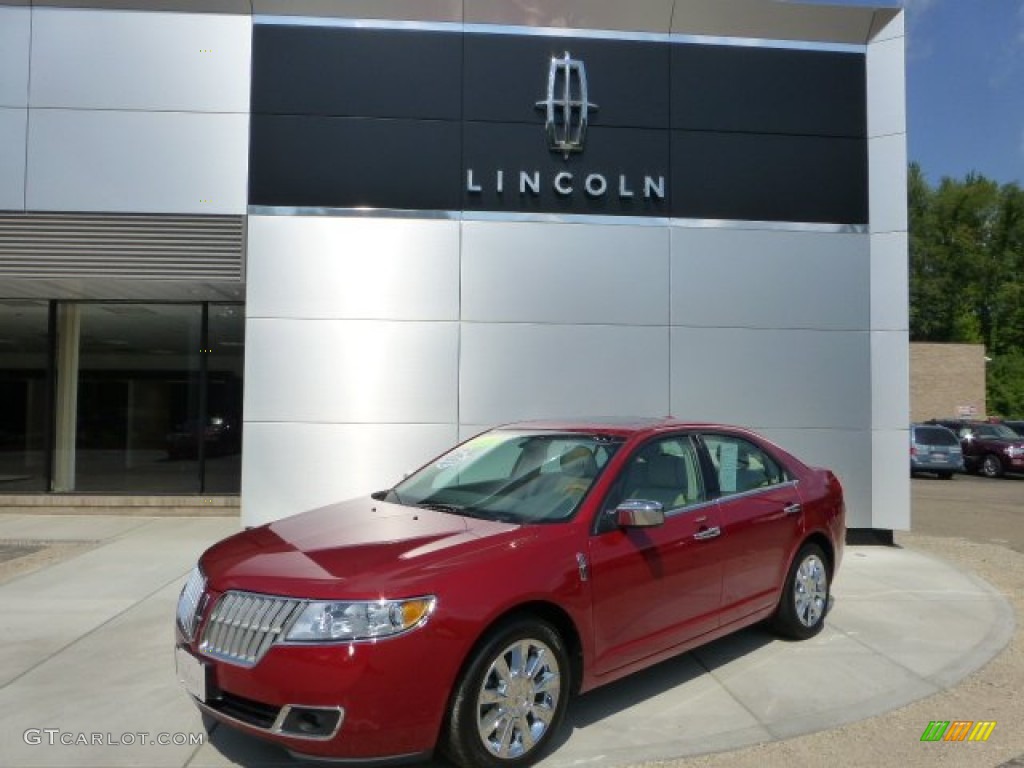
(360, 702)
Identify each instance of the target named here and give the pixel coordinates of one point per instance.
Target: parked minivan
(935, 449)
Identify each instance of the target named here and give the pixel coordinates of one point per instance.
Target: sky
(965, 86)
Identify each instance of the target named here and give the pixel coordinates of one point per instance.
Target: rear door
(761, 518)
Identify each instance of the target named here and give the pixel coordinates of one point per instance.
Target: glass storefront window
(121, 397)
(24, 389)
(225, 363)
(135, 393)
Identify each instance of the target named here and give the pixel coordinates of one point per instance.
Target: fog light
(310, 722)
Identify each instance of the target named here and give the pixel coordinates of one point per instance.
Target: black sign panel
(768, 90)
(622, 172)
(442, 120)
(628, 81)
(344, 162)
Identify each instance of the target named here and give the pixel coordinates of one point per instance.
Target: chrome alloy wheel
(810, 590)
(518, 699)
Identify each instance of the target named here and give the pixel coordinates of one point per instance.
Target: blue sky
(965, 86)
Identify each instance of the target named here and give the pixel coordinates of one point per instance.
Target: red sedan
(462, 608)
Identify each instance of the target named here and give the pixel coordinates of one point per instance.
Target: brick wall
(945, 378)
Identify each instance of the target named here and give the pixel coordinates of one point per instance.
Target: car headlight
(359, 620)
(1015, 451)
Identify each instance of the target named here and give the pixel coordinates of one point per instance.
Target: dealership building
(292, 249)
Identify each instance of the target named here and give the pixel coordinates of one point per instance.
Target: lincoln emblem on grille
(566, 107)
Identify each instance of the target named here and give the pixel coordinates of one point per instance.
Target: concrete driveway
(87, 674)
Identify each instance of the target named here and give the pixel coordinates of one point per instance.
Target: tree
(967, 273)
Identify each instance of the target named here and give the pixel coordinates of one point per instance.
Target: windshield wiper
(455, 509)
(452, 509)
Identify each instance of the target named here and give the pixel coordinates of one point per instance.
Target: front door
(655, 588)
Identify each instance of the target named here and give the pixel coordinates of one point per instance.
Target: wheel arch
(823, 541)
(549, 612)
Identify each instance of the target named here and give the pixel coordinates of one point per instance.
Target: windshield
(994, 430)
(517, 477)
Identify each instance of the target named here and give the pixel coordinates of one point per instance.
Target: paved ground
(85, 654)
(978, 525)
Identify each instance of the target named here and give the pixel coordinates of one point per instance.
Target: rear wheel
(991, 466)
(511, 698)
(804, 602)
(946, 475)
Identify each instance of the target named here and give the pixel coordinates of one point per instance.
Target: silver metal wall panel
(144, 61)
(13, 131)
(887, 88)
(729, 278)
(564, 273)
(890, 321)
(153, 162)
(634, 16)
(41, 246)
(890, 482)
(351, 371)
(890, 380)
(445, 11)
(758, 20)
(293, 467)
(890, 276)
(330, 267)
(772, 378)
(184, 6)
(512, 371)
(14, 56)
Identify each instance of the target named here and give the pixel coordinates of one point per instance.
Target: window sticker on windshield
(728, 459)
(468, 451)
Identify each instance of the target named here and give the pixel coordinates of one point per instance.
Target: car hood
(356, 549)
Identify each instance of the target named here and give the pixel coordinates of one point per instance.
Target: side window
(666, 471)
(742, 466)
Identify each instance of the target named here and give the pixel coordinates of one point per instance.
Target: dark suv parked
(991, 449)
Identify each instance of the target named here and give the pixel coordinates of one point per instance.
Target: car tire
(946, 475)
(500, 717)
(991, 466)
(804, 601)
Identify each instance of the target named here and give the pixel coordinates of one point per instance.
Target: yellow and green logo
(958, 730)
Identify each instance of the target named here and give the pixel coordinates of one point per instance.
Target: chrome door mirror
(639, 513)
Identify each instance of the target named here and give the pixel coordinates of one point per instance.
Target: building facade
(432, 217)
(947, 381)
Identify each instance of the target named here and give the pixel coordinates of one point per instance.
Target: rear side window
(934, 436)
(742, 466)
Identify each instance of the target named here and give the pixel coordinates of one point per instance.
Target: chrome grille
(189, 603)
(244, 625)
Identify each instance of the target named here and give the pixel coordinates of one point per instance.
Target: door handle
(792, 509)
(707, 533)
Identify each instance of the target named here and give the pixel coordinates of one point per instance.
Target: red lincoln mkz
(462, 608)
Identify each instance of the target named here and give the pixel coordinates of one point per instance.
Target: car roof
(624, 427)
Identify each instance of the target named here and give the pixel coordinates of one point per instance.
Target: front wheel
(511, 698)
(804, 602)
(991, 466)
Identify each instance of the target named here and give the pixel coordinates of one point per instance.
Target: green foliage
(967, 274)
(1005, 392)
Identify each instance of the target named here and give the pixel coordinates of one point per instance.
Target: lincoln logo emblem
(566, 107)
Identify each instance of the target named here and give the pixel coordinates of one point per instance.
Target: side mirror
(378, 495)
(639, 513)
